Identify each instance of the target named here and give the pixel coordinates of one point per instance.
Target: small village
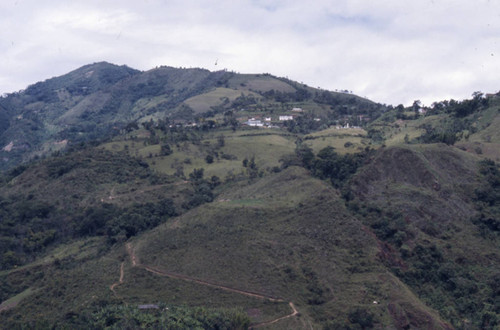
(278, 121)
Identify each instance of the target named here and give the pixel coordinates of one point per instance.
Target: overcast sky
(392, 51)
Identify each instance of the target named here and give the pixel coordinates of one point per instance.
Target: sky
(390, 51)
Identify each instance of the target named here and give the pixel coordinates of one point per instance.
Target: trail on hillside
(136, 263)
(120, 280)
(294, 312)
(131, 253)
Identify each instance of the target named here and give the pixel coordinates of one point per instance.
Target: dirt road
(135, 263)
(120, 281)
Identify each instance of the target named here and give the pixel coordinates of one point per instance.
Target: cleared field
(260, 83)
(203, 102)
(395, 132)
(267, 147)
(266, 150)
(333, 131)
(488, 125)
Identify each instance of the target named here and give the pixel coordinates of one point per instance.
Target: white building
(254, 122)
(285, 117)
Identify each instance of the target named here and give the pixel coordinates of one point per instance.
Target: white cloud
(389, 51)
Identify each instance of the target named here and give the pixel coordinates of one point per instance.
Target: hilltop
(98, 101)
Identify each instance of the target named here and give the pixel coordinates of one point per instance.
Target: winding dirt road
(135, 263)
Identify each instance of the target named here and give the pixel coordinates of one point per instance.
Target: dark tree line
(328, 164)
(460, 109)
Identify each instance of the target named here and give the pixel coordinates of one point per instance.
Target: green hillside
(99, 100)
(137, 200)
(292, 240)
(425, 202)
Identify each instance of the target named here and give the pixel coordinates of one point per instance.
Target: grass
(245, 202)
(204, 102)
(395, 133)
(486, 142)
(266, 146)
(260, 83)
(333, 131)
(142, 287)
(13, 301)
(144, 105)
(77, 250)
(276, 236)
(71, 285)
(285, 235)
(343, 140)
(342, 144)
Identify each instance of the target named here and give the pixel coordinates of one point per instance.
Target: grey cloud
(390, 51)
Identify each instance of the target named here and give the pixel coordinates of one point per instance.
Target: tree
(9, 259)
(166, 150)
(214, 181)
(305, 154)
(362, 317)
(221, 141)
(197, 174)
(477, 95)
(416, 107)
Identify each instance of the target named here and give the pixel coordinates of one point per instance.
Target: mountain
(96, 101)
(171, 211)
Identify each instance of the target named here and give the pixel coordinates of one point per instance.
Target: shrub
(362, 317)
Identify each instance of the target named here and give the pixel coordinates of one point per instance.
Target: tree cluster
(329, 165)
(460, 109)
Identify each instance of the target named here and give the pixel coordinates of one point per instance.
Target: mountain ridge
(97, 100)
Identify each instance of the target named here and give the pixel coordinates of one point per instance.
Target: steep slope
(282, 244)
(44, 116)
(85, 193)
(423, 201)
(425, 182)
(287, 236)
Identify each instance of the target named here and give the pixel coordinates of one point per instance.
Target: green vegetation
(99, 101)
(136, 199)
(487, 197)
(35, 202)
(172, 317)
(435, 250)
